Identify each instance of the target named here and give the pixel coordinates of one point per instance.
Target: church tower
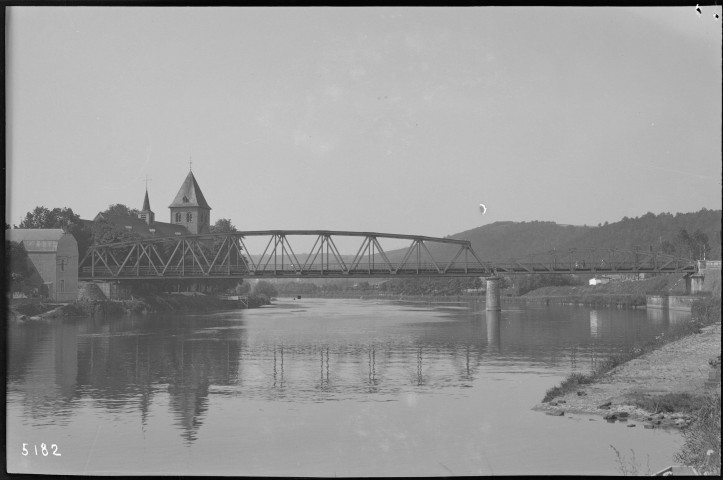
(189, 208)
(146, 214)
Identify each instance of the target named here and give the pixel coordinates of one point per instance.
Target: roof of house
(37, 239)
(190, 195)
(139, 226)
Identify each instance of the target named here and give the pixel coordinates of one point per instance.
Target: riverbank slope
(641, 386)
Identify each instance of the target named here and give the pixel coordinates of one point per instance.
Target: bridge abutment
(492, 298)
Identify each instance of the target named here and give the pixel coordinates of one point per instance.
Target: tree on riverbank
(693, 246)
(65, 218)
(266, 288)
(223, 225)
(528, 283)
(16, 264)
(120, 209)
(430, 285)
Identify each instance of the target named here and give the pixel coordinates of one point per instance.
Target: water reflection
(492, 317)
(664, 317)
(278, 374)
(126, 365)
(658, 316)
(594, 323)
(676, 317)
(372, 368)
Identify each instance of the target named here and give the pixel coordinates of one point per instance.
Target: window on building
(178, 217)
(62, 286)
(189, 217)
(62, 265)
(185, 199)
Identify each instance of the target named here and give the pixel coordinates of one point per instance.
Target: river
(321, 387)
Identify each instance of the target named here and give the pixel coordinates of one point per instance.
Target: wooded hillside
(665, 233)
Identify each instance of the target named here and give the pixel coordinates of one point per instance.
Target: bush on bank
(701, 448)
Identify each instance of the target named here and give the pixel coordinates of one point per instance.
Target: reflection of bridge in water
(229, 256)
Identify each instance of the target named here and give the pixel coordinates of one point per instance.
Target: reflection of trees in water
(42, 368)
(188, 392)
(23, 341)
(120, 370)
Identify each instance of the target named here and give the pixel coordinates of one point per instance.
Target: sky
(392, 120)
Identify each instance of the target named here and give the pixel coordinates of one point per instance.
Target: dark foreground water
(318, 387)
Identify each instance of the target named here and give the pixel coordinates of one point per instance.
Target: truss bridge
(243, 255)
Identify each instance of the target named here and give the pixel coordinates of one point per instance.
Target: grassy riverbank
(706, 311)
(614, 294)
(664, 383)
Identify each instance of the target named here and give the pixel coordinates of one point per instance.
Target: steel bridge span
(226, 256)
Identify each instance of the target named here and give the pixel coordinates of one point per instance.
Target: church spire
(146, 213)
(146, 203)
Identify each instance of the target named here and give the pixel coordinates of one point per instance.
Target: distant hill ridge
(504, 240)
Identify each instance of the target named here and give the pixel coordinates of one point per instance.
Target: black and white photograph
(362, 241)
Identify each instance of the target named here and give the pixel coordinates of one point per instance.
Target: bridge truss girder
(227, 256)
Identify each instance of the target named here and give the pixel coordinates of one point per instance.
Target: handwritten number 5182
(43, 450)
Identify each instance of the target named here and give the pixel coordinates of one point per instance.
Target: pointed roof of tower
(146, 204)
(192, 194)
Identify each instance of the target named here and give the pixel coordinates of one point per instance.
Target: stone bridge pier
(492, 300)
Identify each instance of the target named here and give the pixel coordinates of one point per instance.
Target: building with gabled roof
(53, 257)
(190, 208)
